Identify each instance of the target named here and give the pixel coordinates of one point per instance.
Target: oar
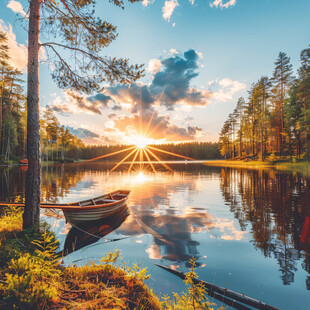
(222, 292)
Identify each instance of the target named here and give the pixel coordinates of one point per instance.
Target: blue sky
(235, 41)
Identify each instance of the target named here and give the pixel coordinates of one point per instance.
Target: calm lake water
(248, 229)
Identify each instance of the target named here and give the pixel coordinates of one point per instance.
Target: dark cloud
(169, 87)
(116, 108)
(100, 98)
(112, 115)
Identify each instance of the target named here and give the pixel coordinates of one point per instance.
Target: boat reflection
(81, 236)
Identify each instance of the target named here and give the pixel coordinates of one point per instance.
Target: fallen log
(223, 292)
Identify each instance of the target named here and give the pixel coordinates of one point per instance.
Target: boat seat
(107, 200)
(121, 195)
(85, 203)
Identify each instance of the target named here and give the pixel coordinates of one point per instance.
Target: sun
(142, 148)
(140, 141)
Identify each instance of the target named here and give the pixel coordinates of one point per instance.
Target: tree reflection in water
(277, 207)
(272, 207)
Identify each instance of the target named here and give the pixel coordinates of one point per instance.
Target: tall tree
(4, 57)
(262, 90)
(238, 112)
(281, 79)
(81, 35)
(303, 94)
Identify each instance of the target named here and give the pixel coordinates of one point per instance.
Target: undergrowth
(32, 278)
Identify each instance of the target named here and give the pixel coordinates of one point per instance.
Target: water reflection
(81, 236)
(218, 215)
(171, 232)
(276, 206)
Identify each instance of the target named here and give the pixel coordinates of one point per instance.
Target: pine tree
(4, 65)
(303, 94)
(83, 36)
(281, 79)
(263, 94)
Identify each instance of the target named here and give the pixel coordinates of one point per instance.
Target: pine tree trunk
(1, 109)
(33, 193)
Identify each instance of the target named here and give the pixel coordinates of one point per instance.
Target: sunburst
(142, 150)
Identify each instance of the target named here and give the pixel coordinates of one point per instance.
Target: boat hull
(75, 217)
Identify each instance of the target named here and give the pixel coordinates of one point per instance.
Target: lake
(249, 229)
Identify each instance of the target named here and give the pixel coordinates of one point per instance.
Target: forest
(274, 121)
(56, 141)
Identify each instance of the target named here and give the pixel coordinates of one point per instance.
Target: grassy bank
(283, 165)
(31, 276)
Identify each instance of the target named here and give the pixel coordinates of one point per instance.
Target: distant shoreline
(255, 164)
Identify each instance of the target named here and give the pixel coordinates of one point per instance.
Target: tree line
(275, 118)
(56, 140)
(12, 106)
(194, 150)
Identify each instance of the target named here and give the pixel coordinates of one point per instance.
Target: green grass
(31, 276)
(258, 164)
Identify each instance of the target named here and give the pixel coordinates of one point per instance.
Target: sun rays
(142, 151)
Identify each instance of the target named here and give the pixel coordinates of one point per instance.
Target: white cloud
(227, 88)
(168, 8)
(18, 52)
(154, 66)
(192, 2)
(200, 55)
(16, 7)
(73, 103)
(173, 25)
(221, 4)
(173, 51)
(229, 3)
(145, 3)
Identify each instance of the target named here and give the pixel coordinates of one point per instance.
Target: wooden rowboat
(92, 209)
(96, 208)
(86, 234)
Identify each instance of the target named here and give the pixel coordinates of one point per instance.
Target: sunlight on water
(247, 228)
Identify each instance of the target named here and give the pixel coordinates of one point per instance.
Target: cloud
(226, 89)
(221, 4)
(100, 99)
(154, 66)
(145, 3)
(168, 8)
(173, 51)
(170, 85)
(74, 103)
(16, 7)
(135, 96)
(161, 128)
(18, 52)
(170, 89)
